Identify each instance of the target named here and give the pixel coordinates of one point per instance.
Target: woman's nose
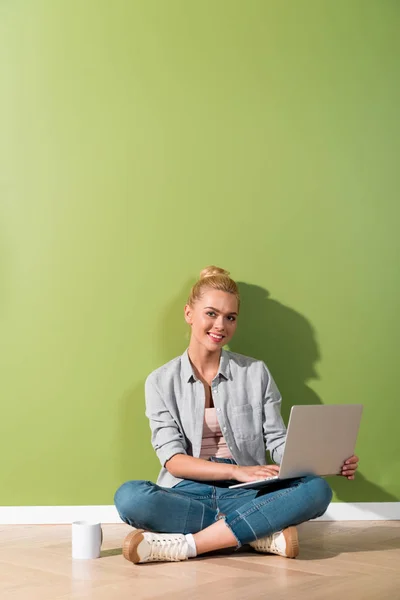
(220, 322)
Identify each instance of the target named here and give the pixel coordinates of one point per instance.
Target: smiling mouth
(215, 337)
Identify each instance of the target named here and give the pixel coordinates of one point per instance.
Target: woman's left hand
(350, 467)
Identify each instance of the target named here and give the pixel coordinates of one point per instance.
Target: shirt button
(224, 429)
(218, 410)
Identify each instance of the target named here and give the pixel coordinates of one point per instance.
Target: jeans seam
(236, 497)
(183, 495)
(250, 527)
(214, 497)
(188, 515)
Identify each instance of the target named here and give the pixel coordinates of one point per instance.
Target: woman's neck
(205, 363)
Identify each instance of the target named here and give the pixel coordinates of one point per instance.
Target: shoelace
(162, 548)
(269, 543)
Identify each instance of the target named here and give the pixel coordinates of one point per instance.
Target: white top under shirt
(213, 442)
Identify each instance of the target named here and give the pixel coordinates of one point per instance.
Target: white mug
(86, 539)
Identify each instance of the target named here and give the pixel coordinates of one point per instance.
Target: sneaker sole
(130, 545)
(292, 542)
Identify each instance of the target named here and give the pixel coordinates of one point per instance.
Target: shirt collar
(187, 369)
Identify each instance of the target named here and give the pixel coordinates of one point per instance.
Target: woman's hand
(245, 474)
(350, 467)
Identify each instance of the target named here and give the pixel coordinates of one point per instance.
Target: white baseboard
(361, 511)
(51, 515)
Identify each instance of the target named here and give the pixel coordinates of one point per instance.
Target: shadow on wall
(286, 342)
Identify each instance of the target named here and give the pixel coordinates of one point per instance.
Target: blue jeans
(191, 506)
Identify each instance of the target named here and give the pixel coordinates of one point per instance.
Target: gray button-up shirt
(247, 403)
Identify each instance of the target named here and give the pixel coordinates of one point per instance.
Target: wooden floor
(348, 560)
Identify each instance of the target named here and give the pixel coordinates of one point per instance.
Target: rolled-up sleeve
(273, 425)
(166, 437)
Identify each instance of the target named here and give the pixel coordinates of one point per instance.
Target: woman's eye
(211, 313)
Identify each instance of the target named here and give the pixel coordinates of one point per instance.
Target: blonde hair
(213, 278)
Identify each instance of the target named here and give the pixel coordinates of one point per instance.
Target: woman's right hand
(246, 474)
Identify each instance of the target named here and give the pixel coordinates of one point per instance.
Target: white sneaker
(285, 543)
(144, 546)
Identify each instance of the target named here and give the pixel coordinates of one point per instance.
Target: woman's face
(212, 319)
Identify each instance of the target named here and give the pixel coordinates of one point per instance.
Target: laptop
(319, 439)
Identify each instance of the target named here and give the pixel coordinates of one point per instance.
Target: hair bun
(212, 271)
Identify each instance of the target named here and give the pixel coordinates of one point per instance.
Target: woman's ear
(188, 314)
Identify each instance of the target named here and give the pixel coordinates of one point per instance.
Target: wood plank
(337, 560)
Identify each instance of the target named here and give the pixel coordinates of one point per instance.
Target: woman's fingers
(245, 474)
(351, 460)
(275, 468)
(349, 474)
(271, 468)
(349, 471)
(269, 471)
(350, 466)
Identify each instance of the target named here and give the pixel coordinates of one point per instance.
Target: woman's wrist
(233, 471)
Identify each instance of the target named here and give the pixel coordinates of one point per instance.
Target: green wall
(142, 141)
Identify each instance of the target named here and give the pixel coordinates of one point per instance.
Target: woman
(213, 414)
